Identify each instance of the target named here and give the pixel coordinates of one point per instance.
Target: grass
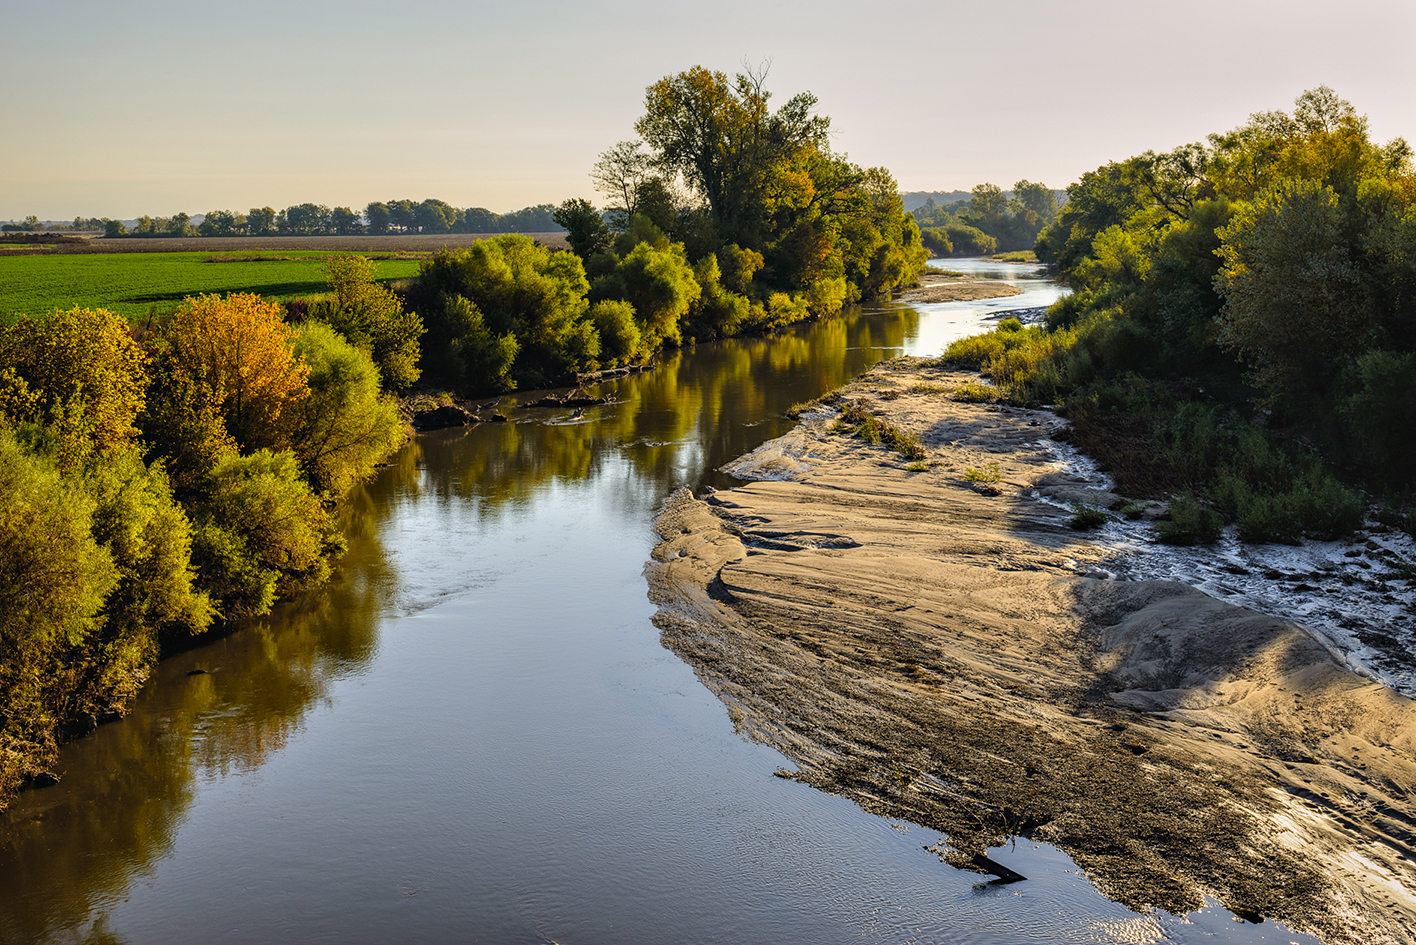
(1086, 518)
(990, 473)
(1022, 256)
(131, 283)
(857, 420)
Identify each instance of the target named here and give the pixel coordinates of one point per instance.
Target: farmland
(131, 282)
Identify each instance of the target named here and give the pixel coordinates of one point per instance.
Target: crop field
(131, 276)
(132, 283)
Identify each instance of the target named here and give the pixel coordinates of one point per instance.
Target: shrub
(225, 378)
(78, 371)
(1085, 518)
(990, 473)
(1190, 522)
(53, 580)
(261, 533)
(346, 425)
(371, 317)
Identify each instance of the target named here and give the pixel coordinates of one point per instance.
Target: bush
(346, 425)
(225, 378)
(261, 533)
(1085, 518)
(371, 317)
(53, 580)
(1190, 522)
(78, 371)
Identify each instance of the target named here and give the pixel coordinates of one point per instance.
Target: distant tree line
(312, 219)
(991, 220)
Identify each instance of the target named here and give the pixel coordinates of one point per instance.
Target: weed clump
(857, 420)
(1086, 518)
(990, 473)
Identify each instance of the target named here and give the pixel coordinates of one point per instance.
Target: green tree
(53, 580)
(371, 316)
(379, 217)
(346, 424)
(585, 228)
(260, 221)
(78, 371)
(260, 533)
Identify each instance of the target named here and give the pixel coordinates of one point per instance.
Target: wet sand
(933, 649)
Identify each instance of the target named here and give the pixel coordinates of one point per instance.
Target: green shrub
(989, 473)
(54, 578)
(260, 533)
(1085, 518)
(1190, 522)
(347, 425)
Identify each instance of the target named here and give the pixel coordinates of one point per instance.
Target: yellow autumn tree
(226, 379)
(78, 372)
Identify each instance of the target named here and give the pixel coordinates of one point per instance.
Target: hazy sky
(157, 106)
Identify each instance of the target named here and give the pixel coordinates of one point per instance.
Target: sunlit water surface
(474, 735)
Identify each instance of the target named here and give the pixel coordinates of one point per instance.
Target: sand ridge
(937, 650)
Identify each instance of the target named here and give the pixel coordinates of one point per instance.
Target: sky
(163, 106)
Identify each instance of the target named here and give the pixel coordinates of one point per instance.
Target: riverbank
(925, 639)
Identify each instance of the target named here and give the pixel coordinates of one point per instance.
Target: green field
(132, 283)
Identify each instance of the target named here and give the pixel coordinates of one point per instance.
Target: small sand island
(923, 637)
(939, 286)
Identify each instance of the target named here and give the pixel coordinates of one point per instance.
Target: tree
(1293, 293)
(346, 425)
(180, 224)
(225, 379)
(725, 141)
(260, 533)
(379, 217)
(345, 222)
(372, 317)
(260, 221)
(78, 371)
(53, 580)
(218, 223)
(308, 219)
(434, 216)
(618, 174)
(587, 233)
(114, 228)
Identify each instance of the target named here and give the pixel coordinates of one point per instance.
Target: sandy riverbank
(931, 648)
(937, 287)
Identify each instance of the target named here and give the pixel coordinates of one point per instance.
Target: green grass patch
(1021, 256)
(857, 420)
(1086, 518)
(989, 473)
(131, 283)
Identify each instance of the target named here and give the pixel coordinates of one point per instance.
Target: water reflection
(474, 734)
(67, 853)
(70, 852)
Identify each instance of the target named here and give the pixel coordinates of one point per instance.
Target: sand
(933, 649)
(936, 287)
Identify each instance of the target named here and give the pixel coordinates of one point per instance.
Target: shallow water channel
(474, 735)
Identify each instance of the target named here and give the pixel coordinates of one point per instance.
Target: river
(473, 734)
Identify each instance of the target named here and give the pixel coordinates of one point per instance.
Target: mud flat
(934, 645)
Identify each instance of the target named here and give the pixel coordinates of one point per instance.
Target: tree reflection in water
(69, 852)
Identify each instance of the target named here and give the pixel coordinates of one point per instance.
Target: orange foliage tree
(226, 379)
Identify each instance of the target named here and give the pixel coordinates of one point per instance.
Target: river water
(473, 734)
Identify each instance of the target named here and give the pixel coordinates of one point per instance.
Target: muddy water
(473, 734)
